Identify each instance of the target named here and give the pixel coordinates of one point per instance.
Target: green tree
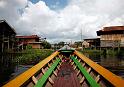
(46, 45)
(78, 44)
(29, 47)
(61, 44)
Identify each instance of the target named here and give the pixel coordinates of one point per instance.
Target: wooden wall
(112, 40)
(111, 37)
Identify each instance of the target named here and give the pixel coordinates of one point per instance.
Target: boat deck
(66, 68)
(66, 77)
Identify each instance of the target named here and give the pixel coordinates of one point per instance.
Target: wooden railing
(24, 77)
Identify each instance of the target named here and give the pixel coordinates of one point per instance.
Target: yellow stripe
(112, 78)
(21, 79)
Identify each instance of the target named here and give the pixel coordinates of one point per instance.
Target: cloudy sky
(62, 20)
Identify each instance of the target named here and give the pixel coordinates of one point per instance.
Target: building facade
(93, 42)
(7, 36)
(111, 36)
(85, 44)
(32, 41)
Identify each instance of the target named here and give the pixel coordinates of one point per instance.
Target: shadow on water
(114, 63)
(14, 63)
(6, 67)
(9, 68)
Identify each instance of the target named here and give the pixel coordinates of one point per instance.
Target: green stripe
(90, 79)
(44, 78)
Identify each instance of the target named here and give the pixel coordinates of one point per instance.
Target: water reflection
(19, 69)
(112, 62)
(9, 68)
(6, 67)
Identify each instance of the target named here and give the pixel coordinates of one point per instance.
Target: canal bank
(104, 51)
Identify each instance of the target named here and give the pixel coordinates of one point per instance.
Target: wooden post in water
(8, 42)
(2, 42)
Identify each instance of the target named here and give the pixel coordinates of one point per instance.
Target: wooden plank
(34, 80)
(97, 78)
(78, 72)
(66, 77)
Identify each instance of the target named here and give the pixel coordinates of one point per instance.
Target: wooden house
(85, 44)
(93, 42)
(111, 36)
(24, 41)
(7, 36)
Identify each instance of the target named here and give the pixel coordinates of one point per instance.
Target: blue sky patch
(53, 4)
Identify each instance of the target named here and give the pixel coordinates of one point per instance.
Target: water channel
(9, 69)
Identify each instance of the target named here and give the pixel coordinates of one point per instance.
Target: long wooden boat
(66, 68)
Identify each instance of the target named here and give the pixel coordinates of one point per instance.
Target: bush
(29, 47)
(32, 56)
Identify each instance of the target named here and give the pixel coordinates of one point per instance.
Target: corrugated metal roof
(111, 30)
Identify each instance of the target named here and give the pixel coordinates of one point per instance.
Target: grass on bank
(103, 51)
(31, 56)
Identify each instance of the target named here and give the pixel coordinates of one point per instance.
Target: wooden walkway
(66, 77)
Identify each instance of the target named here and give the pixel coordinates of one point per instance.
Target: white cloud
(115, 22)
(2, 3)
(36, 18)
(65, 24)
(9, 9)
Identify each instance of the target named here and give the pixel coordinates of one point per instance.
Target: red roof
(32, 36)
(113, 28)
